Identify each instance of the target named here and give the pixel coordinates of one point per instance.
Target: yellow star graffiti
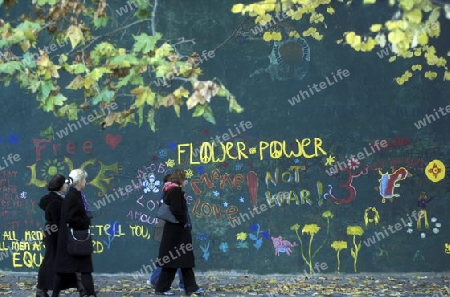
(330, 160)
(189, 173)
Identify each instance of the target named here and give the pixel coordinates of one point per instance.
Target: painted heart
(113, 140)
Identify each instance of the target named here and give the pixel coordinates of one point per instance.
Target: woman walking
(51, 204)
(75, 214)
(176, 250)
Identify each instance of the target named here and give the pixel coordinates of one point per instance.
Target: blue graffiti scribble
(112, 231)
(205, 250)
(14, 138)
(200, 169)
(256, 238)
(202, 237)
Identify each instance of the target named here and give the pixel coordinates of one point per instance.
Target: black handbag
(79, 242)
(165, 214)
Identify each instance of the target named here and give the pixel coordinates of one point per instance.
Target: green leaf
(141, 115)
(199, 110)
(76, 68)
(28, 61)
(47, 132)
(143, 13)
(208, 114)
(71, 111)
(123, 61)
(151, 119)
(44, 88)
(234, 106)
(145, 43)
(43, 2)
(101, 22)
(131, 78)
(52, 101)
(10, 67)
(105, 95)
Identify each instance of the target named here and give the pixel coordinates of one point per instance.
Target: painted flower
(355, 230)
(241, 236)
(202, 237)
(296, 161)
(52, 167)
(225, 204)
(223, 247)
(339, 245)
(254, 227)
(162, 153)
(151, 185)
(189, 173)
(252, 150)
(310, 229)
(241, 199)
(216, 193)
(410, 230)
(433, 219)
(410, 224)
(327, 214)
(438, 225)
(435, 230)
(170, 163)
(238, 166)
(353, 163)
(295, 227)
(422, 235)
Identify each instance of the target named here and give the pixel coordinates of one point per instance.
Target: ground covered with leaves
(229, 284)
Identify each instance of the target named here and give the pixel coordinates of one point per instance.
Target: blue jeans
(155, 276)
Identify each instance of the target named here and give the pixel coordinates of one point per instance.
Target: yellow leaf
(237, 8)
(415, 16)
(447, 75)
(74, 34)
(376, 27)
(267, 36)
(396, 36)
(369, 1)
(392, 59)
(330, 10)
(350, 37)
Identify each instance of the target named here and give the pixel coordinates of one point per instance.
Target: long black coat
(51, 204)
(74, 214)
(175, 235)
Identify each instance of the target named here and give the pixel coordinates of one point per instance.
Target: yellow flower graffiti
(241, 236)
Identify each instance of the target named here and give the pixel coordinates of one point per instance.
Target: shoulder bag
(79, 242)
(165, 214)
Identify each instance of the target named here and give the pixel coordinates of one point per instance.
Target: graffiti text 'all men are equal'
(305, 147)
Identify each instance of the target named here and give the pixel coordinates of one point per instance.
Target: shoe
(198, 292)
(42, 294)
(151, 284)
(167, 293)
(181, 287)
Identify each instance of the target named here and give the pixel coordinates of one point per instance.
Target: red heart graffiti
(113, 140)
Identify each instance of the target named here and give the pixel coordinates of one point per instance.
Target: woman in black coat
(75, 213)
(51, 204)
(176, 250)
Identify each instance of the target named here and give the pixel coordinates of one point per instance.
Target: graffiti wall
(353, 176)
